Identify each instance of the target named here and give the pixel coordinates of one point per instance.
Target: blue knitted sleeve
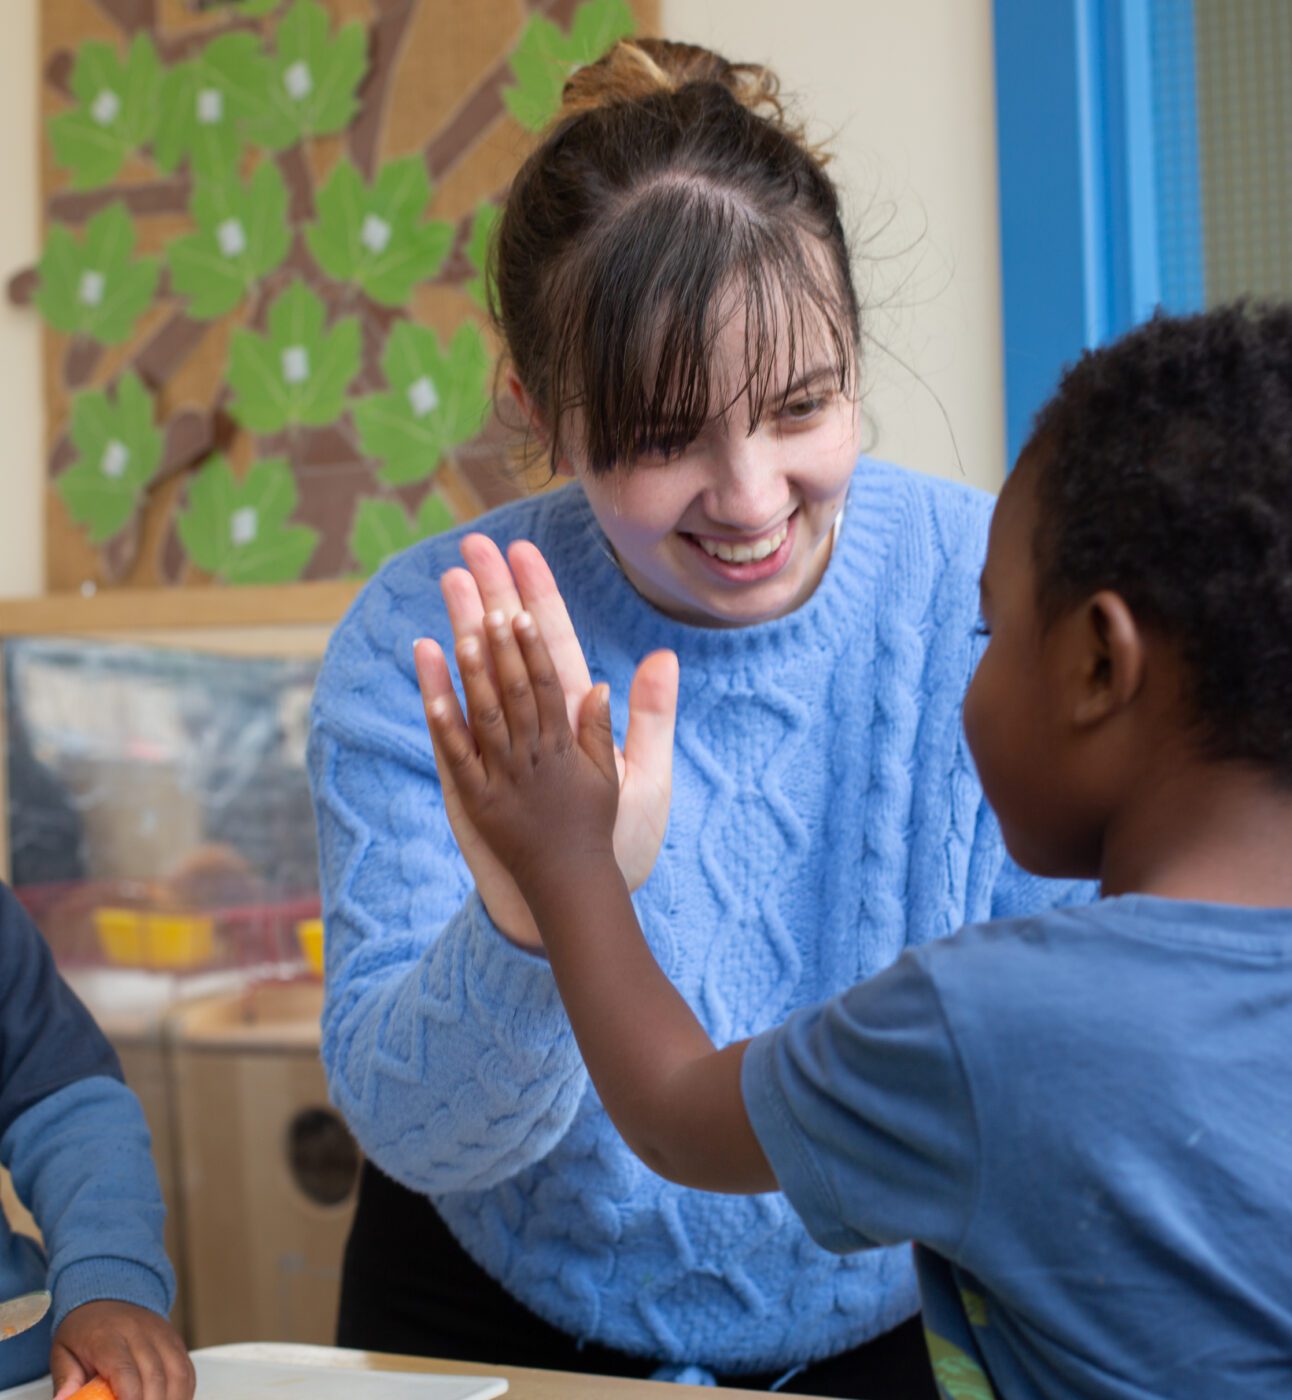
(446, 1045)
(81, 1160)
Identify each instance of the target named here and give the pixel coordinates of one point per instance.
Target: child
(74, 1138)
(1083, 1118)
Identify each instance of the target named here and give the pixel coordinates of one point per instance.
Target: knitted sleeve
(446, 1045)
(74, 1136)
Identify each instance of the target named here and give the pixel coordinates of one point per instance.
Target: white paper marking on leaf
(91, 288)
(210, 106)
(422, 398)
(231, 237)
(105, 107)
(375, 233)
(298, 80)
(296, 364)
(115, 457)
(243, 525)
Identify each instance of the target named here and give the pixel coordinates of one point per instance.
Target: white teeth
(744, 553)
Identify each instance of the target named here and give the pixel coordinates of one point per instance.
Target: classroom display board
(262, 281)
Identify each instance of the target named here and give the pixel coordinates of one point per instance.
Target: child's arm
(75, 1139)
(546, 802)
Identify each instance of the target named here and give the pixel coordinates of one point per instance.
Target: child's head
(674, 289)
(1139, 581)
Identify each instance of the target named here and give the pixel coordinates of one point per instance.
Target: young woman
(675, 296)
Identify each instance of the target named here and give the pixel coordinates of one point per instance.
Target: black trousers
(407, 1286)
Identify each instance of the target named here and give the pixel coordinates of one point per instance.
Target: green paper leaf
(540, 65)
(118, 451)
(437, 400)
(239, 530)
(374, 237)
(243, 236)
(116, 113)
(204, 101)
(544, 58)
(597, 25)
(478, 246)
(253, 9)
(95, 287)
(383, 529)
(299, 372)
(312, 81)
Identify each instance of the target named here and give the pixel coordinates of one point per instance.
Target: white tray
(241, 1373)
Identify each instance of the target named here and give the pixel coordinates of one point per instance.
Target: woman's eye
(801, 409)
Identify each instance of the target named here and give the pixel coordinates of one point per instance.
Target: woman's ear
(1111, 666)
(534, 420)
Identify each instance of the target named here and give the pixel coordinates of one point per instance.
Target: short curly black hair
(1163, 471)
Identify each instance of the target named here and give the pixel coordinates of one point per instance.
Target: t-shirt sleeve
(863, 1109)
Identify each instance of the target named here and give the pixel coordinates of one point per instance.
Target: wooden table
(526, 1384)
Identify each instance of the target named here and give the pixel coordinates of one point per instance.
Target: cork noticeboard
(266, 353)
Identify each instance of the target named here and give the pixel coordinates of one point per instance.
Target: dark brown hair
(1163, 470)
(670, 195)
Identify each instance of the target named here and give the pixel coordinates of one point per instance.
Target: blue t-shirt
(1084, 1121)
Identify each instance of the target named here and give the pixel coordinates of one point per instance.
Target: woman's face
(736, 528)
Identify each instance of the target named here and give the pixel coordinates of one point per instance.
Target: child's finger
(595, 736)
(485, 717)
(456, 759)
(549, 696)
(514, 687)
(440, 705)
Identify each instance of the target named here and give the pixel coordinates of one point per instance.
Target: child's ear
(534, 419)
(1112, 664)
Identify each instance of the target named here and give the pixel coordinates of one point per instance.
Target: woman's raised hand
(523, 581)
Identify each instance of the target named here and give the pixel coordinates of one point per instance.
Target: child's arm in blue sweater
(74, 1138)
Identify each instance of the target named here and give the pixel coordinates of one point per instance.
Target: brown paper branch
(484, 105)
(384, 41)
(169, 196)
(130, 15)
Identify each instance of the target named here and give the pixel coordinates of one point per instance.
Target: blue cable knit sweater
(825, 815)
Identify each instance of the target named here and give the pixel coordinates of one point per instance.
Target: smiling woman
(675, 297)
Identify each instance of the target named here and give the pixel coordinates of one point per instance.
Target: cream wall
(904, 88)
(21, 529)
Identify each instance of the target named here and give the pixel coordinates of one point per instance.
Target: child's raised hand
(135, 1350)
(543, 800)
(522, 580)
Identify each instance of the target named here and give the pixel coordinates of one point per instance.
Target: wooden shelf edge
(145, 609)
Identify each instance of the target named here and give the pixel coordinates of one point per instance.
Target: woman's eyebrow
(810, 377)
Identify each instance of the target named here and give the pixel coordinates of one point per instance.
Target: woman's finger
(514, 689)
(549, 699)
(492, 575)
(541, 597)
(652, 715)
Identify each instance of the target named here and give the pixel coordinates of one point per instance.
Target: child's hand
(543, 800)
(522, 580)
(135, 1350)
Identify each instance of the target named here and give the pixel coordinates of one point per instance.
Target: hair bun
(634, 69)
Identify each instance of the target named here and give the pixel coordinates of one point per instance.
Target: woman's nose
(748, 490)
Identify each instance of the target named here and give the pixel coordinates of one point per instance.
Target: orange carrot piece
(97, 1389)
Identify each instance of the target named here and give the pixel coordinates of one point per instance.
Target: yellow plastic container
(179, 940)
(309, 933)
(121, 935)
(135, 939)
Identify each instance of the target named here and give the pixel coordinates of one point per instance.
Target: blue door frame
(1088, 220)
